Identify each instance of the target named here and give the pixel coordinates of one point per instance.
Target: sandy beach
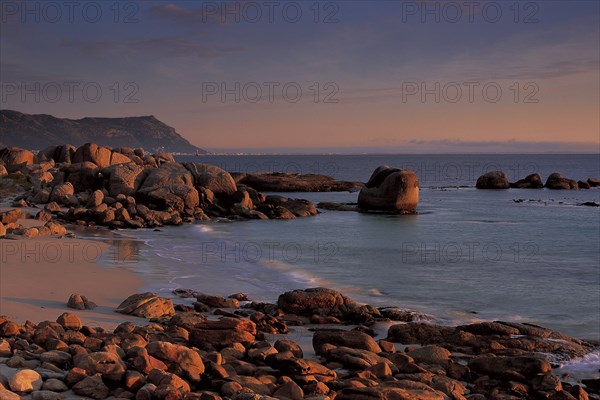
(37, 277)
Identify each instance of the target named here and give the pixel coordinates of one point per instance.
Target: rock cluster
(11, 229)
(127, 188)
(499, 180)
(185, 354)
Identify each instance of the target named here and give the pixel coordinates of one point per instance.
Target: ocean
(520, 254)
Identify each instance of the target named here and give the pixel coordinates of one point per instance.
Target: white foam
(587, 367)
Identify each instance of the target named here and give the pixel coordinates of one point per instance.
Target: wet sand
(37, 277)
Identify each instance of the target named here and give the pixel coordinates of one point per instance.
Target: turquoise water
(468, 255)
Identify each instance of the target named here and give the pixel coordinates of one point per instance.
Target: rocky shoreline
(127, 188)
(234, 348)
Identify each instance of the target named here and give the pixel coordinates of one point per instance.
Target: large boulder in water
(593, 182)
(390, 189)
(14, 158)
(533, 181)
(557, 182)
(493, 180)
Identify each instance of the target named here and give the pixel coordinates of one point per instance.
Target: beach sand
(37, 276)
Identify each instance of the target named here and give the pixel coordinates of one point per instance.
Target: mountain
(37, 131)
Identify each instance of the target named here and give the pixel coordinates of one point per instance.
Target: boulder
(60, 192)
(91, 152)
(8, 395)
(435, 355)
(493, 180)
(123, 178)
(593, 182)
(177, 197)
(84, 176)
(95, 199)
(186, 359)
(146, 305)
(109, 365)
(223, 333)
(390, 189)
(323, 338)
(557, 182)
(502, 366)
(301, 207)
(418, 333)
(583, 184)
(26, 381)
(169, 173)
(59, 154)
(69, 321)
(93, 387)
(11, 216)
(211, 177)
(533, 181)
(15, 158)
(217, 301)
(357, 359)
(322, 301)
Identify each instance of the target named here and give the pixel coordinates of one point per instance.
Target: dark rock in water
(493, 180)
(583, 184)
(338, 206)
(390, 189)
(557, 182)
(593, 384)
(590, 204)
(325, 302)
(293, 182)
(594, 182)
(533, 181)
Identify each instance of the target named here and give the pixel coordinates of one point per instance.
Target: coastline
(38, 275)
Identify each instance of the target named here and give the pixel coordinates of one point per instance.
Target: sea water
(519, 254)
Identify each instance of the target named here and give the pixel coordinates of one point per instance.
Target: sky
(317, 76)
